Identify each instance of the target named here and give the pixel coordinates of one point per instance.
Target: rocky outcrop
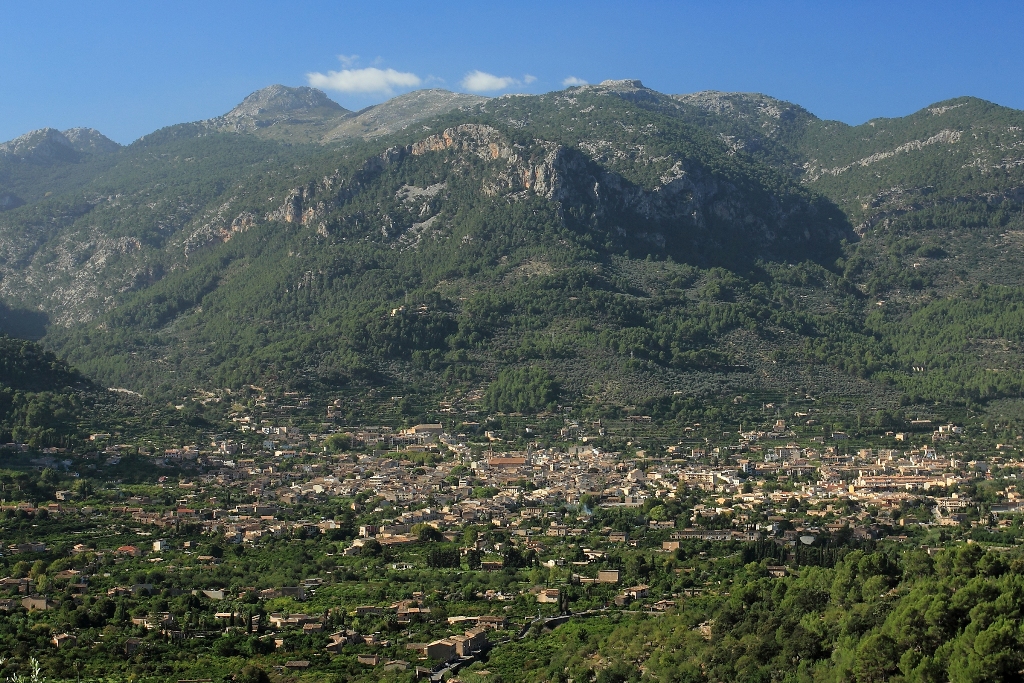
(305, 204)
(685, 202)
(566, 176)
(524, 171)
(215, 227)
(301, 206)
(87, 270)
(241, 223)
(291, 210)
(483, 141)
(943, 137)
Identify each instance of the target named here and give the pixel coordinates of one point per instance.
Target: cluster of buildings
(401, 481)
(759, 488)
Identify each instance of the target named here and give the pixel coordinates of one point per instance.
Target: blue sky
(130, 68)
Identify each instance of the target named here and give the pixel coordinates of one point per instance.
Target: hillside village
(571, 510)
(766, 484)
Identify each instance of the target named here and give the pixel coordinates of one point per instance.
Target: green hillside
(46, 403)
(39, 395)
(875, 616)
(630, 246)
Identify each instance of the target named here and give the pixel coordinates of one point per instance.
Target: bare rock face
(688, 203)
(483, 141)
(291, 210)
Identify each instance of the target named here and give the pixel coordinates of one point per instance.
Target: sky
(128, 68)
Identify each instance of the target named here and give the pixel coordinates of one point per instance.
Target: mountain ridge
(703, 242)
(399, 113)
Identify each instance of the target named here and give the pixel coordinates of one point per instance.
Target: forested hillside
(44, 403)
(39, 401)
(876, 616)
(631, 247)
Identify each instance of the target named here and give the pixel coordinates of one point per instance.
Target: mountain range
(606, 245)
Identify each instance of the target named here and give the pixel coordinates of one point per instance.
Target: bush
(251, 673)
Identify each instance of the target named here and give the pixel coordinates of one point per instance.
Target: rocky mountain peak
(280, 99)
(301, 114)
(628, 89)
(44, 146)
(308, 115)
(90, 140)
(45, 140)
(623, 84)
(50, 144)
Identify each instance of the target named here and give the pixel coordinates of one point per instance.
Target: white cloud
(572, 80)
(369, 80)
(479, 81)
(529, 79)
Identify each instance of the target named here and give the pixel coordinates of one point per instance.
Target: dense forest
(911, 615)
(39, 399)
